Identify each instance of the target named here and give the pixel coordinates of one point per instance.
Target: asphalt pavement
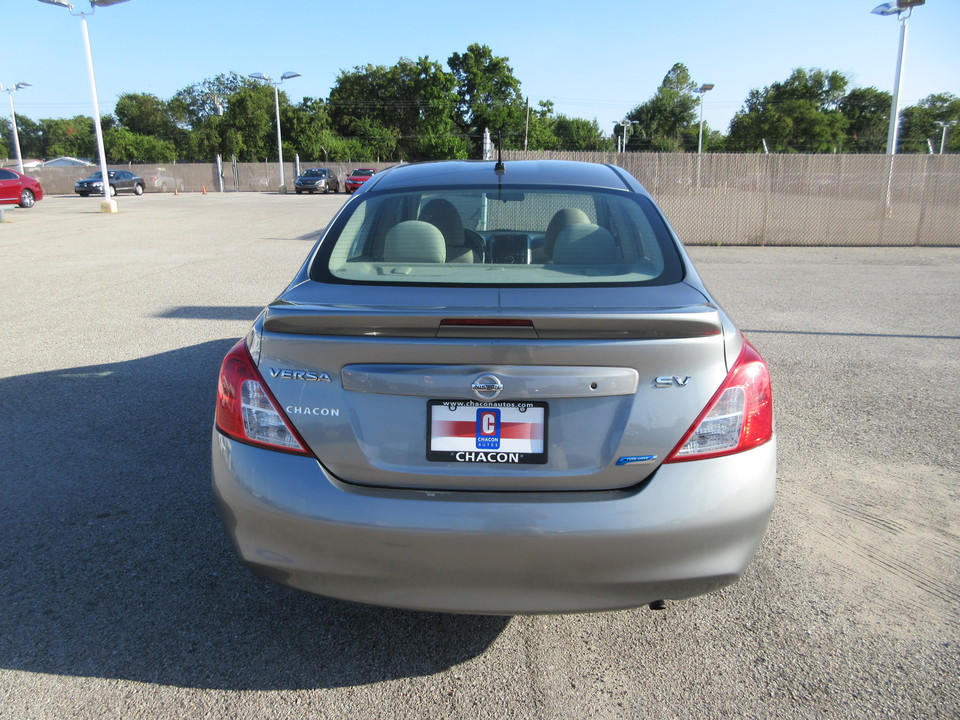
(120, 596)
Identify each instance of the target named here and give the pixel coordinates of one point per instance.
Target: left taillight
(738, 417)
(247, 410)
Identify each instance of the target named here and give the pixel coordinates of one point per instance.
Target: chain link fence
(711, 199)
(844, 200)
(198, 177)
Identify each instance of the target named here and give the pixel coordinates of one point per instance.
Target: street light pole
(625, 124)
(276, 107)
(13, 121)
(108, 205)
(98, 128)
(701, 90)
(946, 125)
(903, 9)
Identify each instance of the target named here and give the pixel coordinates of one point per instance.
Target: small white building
(66, 162)
(8, 163)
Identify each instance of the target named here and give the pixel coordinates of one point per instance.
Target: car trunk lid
(436, 389)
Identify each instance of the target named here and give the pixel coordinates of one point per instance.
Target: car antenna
(499, 168)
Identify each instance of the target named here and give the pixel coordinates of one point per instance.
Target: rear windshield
(485, 236)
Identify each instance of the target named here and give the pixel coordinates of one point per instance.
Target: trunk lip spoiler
(574, 323)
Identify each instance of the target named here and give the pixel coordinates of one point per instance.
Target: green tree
(30, 134)
(713, 140)
(193, 105)
(123, 146)
(919, 124)
(406, 110)
(429, 93)
(73, 137)
(800, 114)
(363, 96)
(667, 122)
(580, 134)
(374, 141)
(366, 110)
(247, 127)
(488, 97)
(198, 110)
(560, 132)
(146, 115)
(867, 111)
(309, 129)
(202, 143)
(540, 127)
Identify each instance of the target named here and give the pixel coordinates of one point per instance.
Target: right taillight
(738, 417)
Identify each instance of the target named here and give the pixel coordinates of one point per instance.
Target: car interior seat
(585, 244)
(414, 241)
(461, 247)
(560, 220)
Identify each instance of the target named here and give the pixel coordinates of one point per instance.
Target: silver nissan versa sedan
(496, 388)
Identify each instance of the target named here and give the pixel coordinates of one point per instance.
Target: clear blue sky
(593, 60)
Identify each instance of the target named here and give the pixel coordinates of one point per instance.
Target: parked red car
(19, 189)
(357, 178)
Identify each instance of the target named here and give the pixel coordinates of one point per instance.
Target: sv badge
(665, 381)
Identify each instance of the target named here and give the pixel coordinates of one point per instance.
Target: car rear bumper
(691, 529)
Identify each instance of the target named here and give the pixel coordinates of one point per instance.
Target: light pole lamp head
(94, 4)
(888, 8)
(704, 88)
(895, 7)
(268, 79)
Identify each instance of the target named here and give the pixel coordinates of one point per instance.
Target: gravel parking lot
(120, 596)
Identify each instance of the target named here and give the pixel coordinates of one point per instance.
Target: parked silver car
(317, 180)
(162, 180)
(496, 389)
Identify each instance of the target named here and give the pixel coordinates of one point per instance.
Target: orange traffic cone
(204, 189)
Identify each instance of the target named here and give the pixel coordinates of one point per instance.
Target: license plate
(467, 431)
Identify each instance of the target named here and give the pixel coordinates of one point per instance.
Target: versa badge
(304, 375)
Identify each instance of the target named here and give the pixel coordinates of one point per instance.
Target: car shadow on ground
(211, 312)
(116, 566)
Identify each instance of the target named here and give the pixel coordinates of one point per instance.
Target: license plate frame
(487, 433)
